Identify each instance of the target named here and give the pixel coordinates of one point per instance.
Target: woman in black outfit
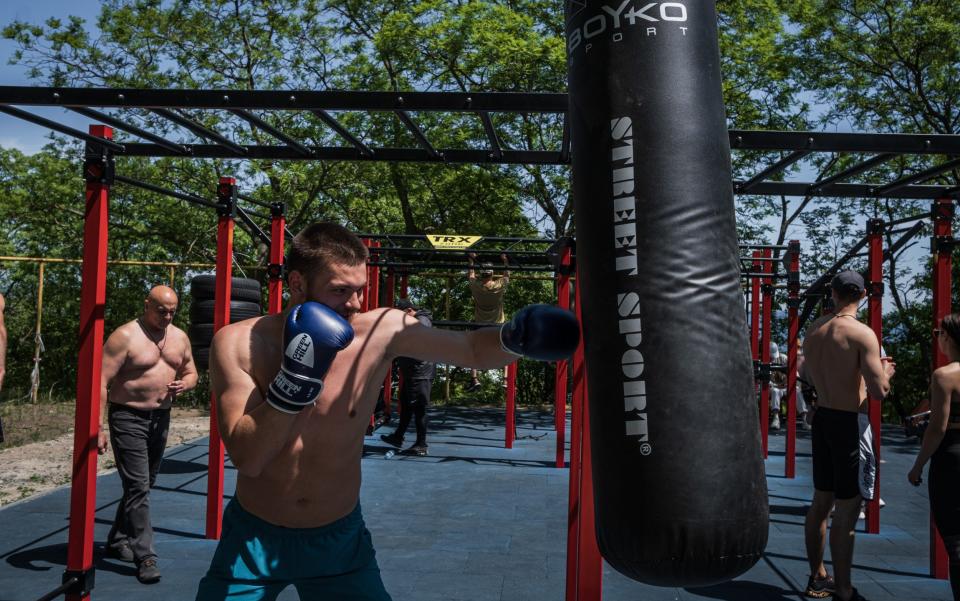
(941, 445)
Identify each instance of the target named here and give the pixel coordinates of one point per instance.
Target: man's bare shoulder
(382, 319)
(125, 332)
(947, 376)
(245, 338)
(817, 324)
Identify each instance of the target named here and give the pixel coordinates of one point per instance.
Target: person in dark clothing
(416, 381)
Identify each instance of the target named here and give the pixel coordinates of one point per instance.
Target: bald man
(147, 362)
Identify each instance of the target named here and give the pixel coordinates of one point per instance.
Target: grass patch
(24, 423)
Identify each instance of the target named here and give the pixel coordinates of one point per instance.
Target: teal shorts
(256, 560)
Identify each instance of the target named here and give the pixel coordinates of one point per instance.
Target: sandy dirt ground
(41, 466)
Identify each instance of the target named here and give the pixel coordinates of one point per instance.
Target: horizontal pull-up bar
(286, 99)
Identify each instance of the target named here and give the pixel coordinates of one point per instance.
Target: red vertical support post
(373, 288)
(765, 339)
(278, 222)
(98, 175)
(793, 332)
(365, 301)
(875, 313)
(560, 380)
(942, 245)
(511, 421)
(227, 211)
(388, 379)
(584, 567)
(755, 307)
(404, 286)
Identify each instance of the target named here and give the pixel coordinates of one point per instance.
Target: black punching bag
(681, 498)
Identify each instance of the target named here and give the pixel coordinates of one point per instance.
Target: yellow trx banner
(452, 241)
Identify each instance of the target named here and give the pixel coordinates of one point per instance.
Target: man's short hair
(319, 245)
(848, 285)
(486, 270)
(403, 304)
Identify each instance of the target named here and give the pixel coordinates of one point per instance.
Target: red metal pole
(98, 173)
(404, 288)
(943, 248)
(793, 306)
(388, 379)
(584, 567)
(227, 200)
(510, 426)
(875, 312)
(755, 308)
(365, 301)
(765, 338)
(560, 381)
(278, 224)
(373, 287)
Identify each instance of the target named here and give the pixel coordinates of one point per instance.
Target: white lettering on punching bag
(631, 370)
(624, 221)
(624, 213)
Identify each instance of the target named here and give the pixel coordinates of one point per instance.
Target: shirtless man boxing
(147, 362)
(294, 394)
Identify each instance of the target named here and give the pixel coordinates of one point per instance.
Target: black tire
(203, 287)
(202, 311)
(200, 334)
(201, 357)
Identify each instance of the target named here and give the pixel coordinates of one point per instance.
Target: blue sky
(14, 132)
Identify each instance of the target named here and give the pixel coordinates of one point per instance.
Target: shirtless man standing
(146, 363)
(294, 394)
(842, 360)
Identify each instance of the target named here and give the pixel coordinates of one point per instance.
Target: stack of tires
(244, 304)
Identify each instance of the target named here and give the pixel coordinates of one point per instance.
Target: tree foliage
(868, 65)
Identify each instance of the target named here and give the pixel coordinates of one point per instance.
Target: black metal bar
(763, 247)
(908, 219)
(76, 133)
(853, 170)
(920, 175)
(951, 191)
(342, 153)
(902, 240)
(286, 99)
(777, 167)
(198, 129)
(844, 142)
(762, 274)
(915, 192)
(491, 135)
(255, 201)
(418, 134)
(484, 239)
(407, 250)
(67, 585)
(287, 231)
(258, 214)
(255, 229)
(130, 128)
(403, 265)
(273, 131)
(467, 325)
(344, 133)
(164, 191)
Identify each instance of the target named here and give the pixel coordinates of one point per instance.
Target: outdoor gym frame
(584, 567)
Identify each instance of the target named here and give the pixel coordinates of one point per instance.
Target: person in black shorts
(843, 363)
(941, 446)
(416, 382)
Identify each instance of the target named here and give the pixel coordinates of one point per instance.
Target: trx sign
(452, 241)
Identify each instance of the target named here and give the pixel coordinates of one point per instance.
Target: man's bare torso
(315, 479)
(832, 363)
(149, 366)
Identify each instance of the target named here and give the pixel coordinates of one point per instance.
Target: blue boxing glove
(541, 332)
(312, 336)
